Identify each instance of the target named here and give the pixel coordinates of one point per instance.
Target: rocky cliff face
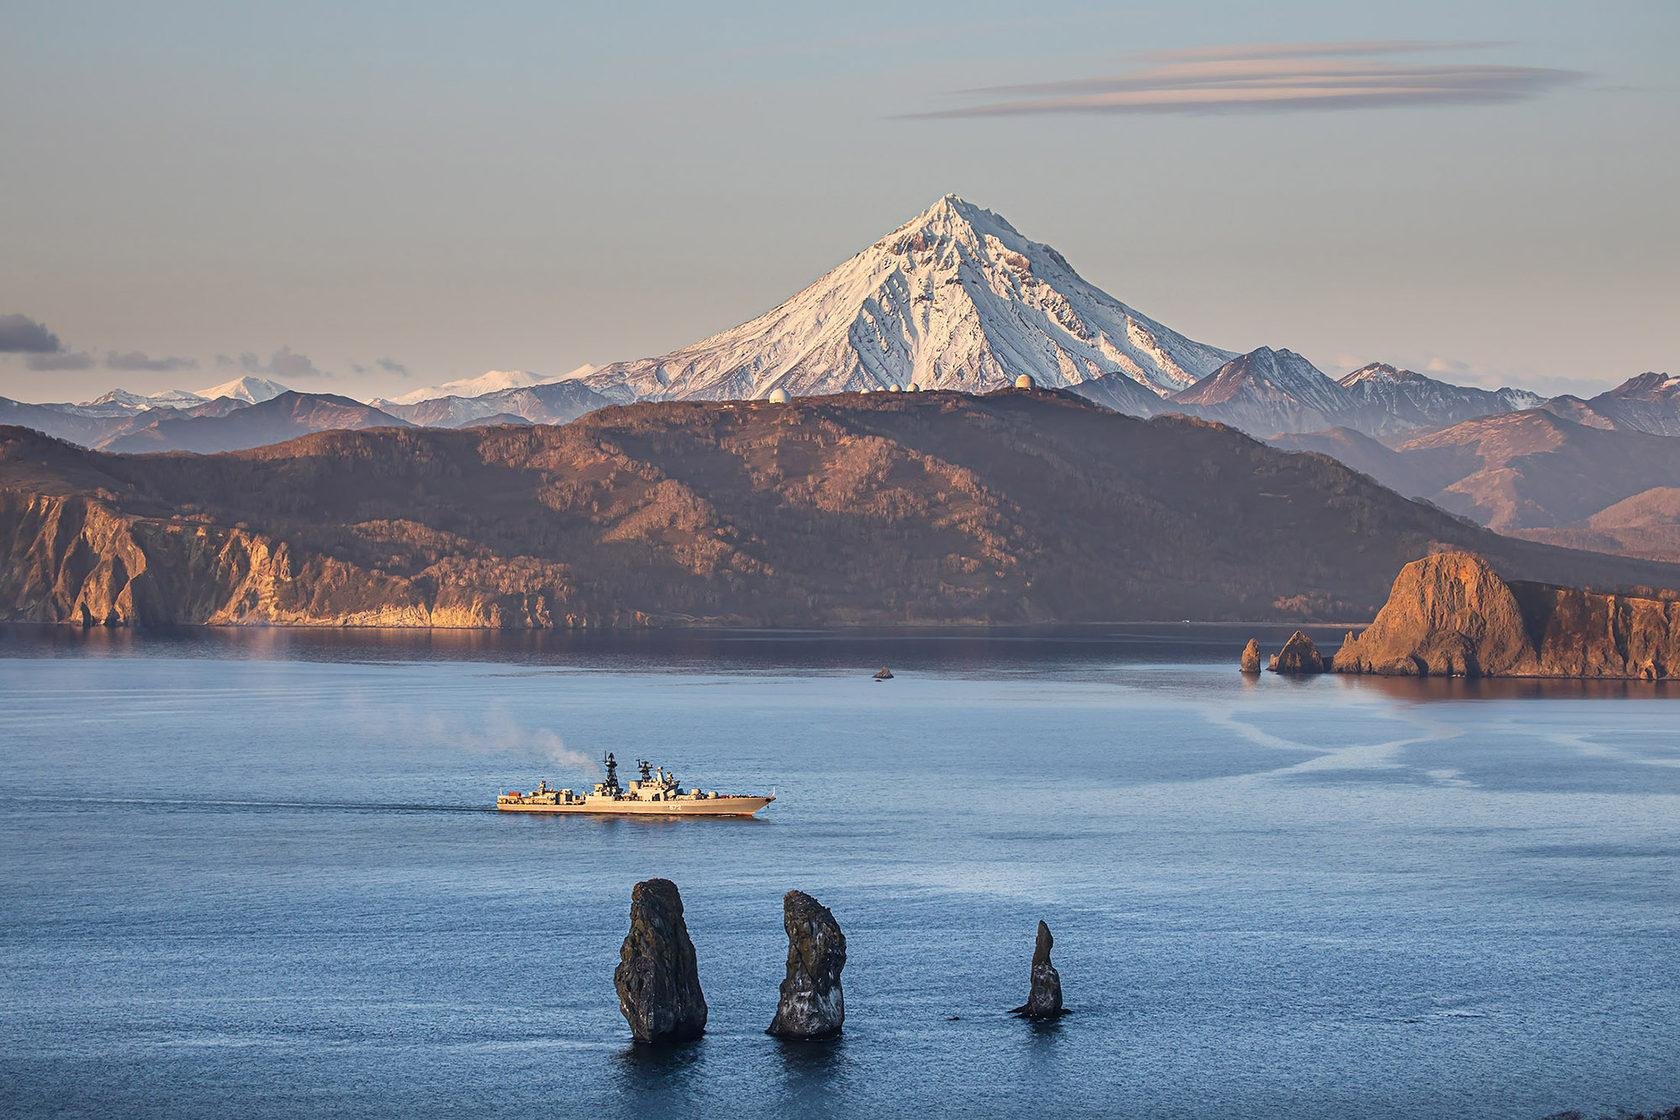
(811, 1004)
(658, 978)
(1299, 655)
(1250, 662)
(1044, 996)
(1452, 615)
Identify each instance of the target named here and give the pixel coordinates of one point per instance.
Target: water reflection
(1000, 648)
(1509, 688)
(658, 1079)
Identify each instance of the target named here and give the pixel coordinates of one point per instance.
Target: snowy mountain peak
(1379, 371)
(252, 390)
(1267, 374)
(951, 217)
(955, 298)
(1648, 384)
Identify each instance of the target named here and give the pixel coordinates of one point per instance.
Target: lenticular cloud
(1276, 77)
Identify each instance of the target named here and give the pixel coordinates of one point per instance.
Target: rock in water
(1298, 655)
(883, 674)
(1251, 656)
(812, 1004)
(1044, 1001)
(658, 979)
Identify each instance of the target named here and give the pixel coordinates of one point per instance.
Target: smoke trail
(496, 732)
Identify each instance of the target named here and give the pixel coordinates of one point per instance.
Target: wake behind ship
(652, 794)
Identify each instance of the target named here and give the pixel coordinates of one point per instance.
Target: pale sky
(367, 197)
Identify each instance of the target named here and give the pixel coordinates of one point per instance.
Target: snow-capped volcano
(955, 298)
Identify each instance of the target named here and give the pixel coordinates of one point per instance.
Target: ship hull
(708, 807)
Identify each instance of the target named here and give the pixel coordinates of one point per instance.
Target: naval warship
(654, 793)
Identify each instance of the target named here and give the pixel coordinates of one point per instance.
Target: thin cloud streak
(1310, 79)
(1319, 50)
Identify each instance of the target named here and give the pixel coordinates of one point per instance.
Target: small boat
(883, 674)
(653, 794)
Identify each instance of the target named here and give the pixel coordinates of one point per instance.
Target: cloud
(137, 360)
(1271, 78)
(1317, 50)
(63, 360)
(19, 334)
(383, 365)
(1448, 365)
(284, 364)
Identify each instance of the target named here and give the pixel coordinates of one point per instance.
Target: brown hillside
(1012, 507)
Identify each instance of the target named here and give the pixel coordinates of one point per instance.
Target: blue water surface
(255, 874)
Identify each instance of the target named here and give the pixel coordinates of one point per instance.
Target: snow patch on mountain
(1385, 400)
(168, 398)
(1267, 391)
(491, 381)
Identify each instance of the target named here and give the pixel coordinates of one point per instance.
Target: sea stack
(1044, 1001)
(658, 978)
(1298, 655)
(812, 1006)
(1251, 656)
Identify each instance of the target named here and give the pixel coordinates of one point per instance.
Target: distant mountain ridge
(954, 298)
(1648, 403)
(1532, 473)
(549, 402)
(287, 416)
(490, 381)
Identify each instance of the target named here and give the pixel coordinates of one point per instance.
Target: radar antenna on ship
(611, 784)
(646, 768)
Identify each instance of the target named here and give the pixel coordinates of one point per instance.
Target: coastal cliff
(1451, 614)
(76, 559)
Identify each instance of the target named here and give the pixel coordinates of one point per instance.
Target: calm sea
(254, 874)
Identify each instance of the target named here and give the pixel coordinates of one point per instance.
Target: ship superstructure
(655, 792)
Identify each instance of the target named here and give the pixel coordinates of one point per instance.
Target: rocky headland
(1452, 614)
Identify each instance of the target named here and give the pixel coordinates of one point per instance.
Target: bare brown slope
(1013, 507)
(1368, 456)
(1647, 524)
(1532, 469)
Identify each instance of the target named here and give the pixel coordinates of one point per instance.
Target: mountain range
(957, 298)
(1532, 473)
(1035, 506)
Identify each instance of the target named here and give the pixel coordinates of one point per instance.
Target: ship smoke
(496, 732)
